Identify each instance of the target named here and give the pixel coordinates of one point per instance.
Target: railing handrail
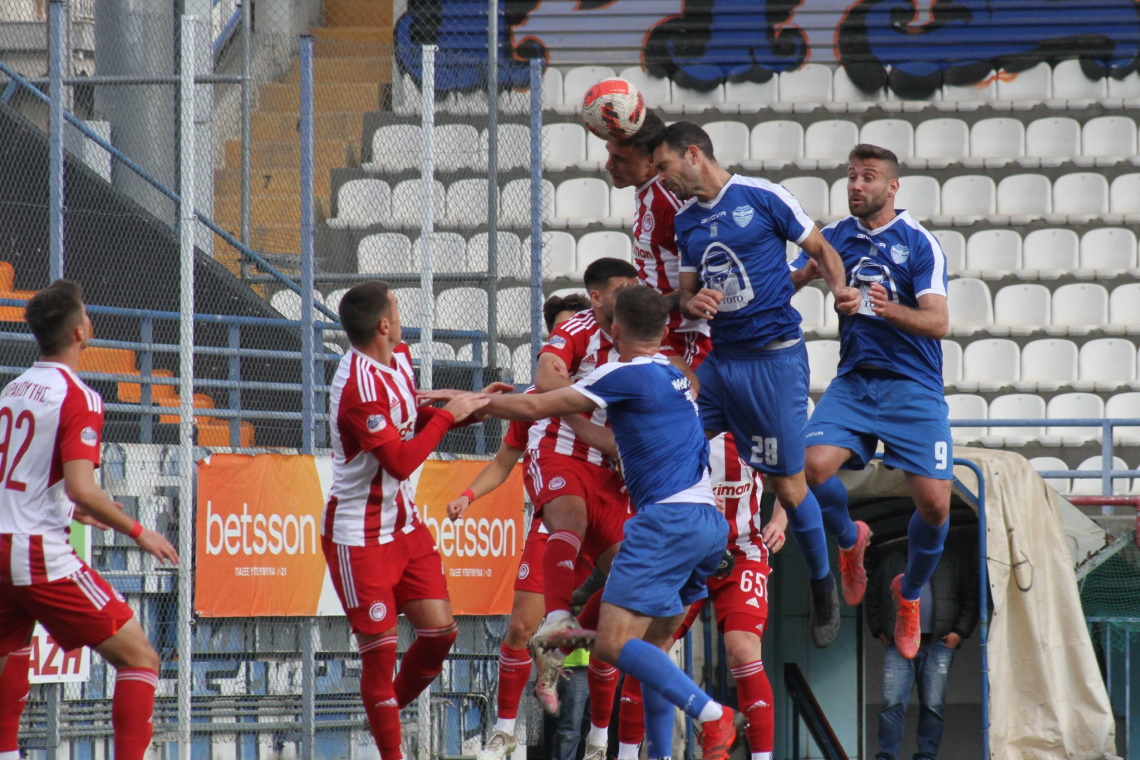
(805, 705)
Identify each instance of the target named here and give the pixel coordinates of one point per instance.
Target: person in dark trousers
(949, 612)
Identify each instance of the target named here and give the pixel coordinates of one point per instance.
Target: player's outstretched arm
(601, 438)
(805, 274)
(831, 268)
(697, 302)
(80, 486)
(930, 320)
(551, 373)
(489, 478)
(537, 406)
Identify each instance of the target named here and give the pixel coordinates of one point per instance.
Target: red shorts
(530, 565)
(692, 346)
(741, 598)
(374, 582)
(607, 503)
(79, 610)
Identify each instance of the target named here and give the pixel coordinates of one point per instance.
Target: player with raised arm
(732, 234)
(382, 559)
(889, 384)
(51, 428)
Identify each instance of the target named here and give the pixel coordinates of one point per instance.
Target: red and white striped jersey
(369, 405)
(583, 346)
(739, 485)
(48, 416)
(655, 248)
(518, 437)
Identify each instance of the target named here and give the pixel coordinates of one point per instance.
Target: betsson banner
(258, 547)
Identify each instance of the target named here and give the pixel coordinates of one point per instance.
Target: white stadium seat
(965, 406)
(847, 97)
(1123, 93)
(513, 314)
(806, 87)
(751, 97)
(967, 199)
(605, 244)
(920, 196)
(558, 253)
(1073, 406)
(448, 252)
(1124, 406)
(1050, 253)
(823, 359)
(395, 148)
(895, 135)
(837, 204)
(596, 153)
(514, 203)
(940, 142)
(1026, 88)
(513, 147)
(951, 362)
(440, 352)
(989, 365)
(1023, 198)
(1124, 199)
(458, 146)
(812, 194)
(1078, 309)
(288, 304)
(623, 207)
(1052, 141)
(385, 253)
(411, 305)
(1047, 365)
(1108, 248)
(1124, 309)
(828, 142)
(408, 203)
(563, 146)
(971, 308)
(1021, 309)
(808, 301)
(995, 142)
(1079, 198)
(655, 90)
(1072, 89)
(512, 261)
(576, 81)
(954, 246)
(968, 97)
(466, 353)
(1107, 140)
(467, 203)
(361, 203)
(689, 101)
(730, 141)
(993, 254)
(461, 309)
(1094, 486)
(1106, 364)
(1015, 406)
(775, 144)
(580, 202)
(1052, 464)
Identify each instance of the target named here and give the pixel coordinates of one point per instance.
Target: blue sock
(658, 723)
(924, 547)
(832, 497)
(655, 670)
(806, 523)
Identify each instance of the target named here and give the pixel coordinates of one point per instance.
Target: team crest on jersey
(557, 341)
(557, 483)
(648, 222)
(713, 228)
(524, 571)
(378, 611)
(742, 215)
(722, 270)
(899, 254)
(376, 423)
(89, 436)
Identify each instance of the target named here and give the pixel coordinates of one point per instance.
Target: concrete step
(269, 181)
(286, 154)
(334, 97)
(342, 13)
(270, 209)
(347, 68)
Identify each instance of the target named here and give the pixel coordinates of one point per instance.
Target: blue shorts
(860, 409)
(668, 552)
(761, 398)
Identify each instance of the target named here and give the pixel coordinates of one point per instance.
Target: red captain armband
(469, 494)
(136, 530)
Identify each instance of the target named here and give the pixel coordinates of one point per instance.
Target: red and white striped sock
(377, 662)
(423, 661)
(132, 712)
(754, 693)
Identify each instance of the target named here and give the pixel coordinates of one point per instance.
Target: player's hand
(773, 537)
(847, 300)
(720, 503)
(704, 304)
(84, 518)
(457, 507)
(498, 387)
(880, 300)
(155, 544)
(883, 638)
(441, 394)
(952, 640)
(465, 404)
(810, 271)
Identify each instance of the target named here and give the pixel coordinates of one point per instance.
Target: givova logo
(722, 270)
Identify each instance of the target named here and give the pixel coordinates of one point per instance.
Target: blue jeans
(929, 671)
(570, 730)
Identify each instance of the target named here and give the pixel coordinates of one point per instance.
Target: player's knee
(741, 650)
(141, 656)
(519, 633)
(607, 647)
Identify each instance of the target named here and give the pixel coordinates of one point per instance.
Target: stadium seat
(408, 203)
(989, 365)
(895, 135)
(385, 253)
(1051, 141)
(581, 202)
(514, 203)
(1123, 93)
(512, 261)
(461, 309)
(967, 97)
(607, 243)
(1079, 198)
(1047, 365)
(1015, 406)
(1052, 464)
(575, 82)
(953, 246)
(558, 251)
(513, 313)
(288, 304)
(775, 144)
(458, 146)
(847, 97)
(920, 196)
(1124, 406)
(1023, 198)
(1094, 486)
(1021, 309)
(1073, 406)
(1106, 364)
(521, 364)
(910, 104)
(361, 203)
(623, 207)
(1072, 89)
(951, 362)
(467, 204)
(751, 97)
(440, 352)
(730, 141)
(596, 153)
(939, 143)
(655, 90)
(995, 142)
(1078, 309)
(967, 199)
(971, 308)
(805, 88)
(1049, 254)
(1025, 89)
(1107, 140)
(823, 360)
(688, 101)
(395, 148)
(830, 327)
(1124, 200)
(448, 252)
(466, 353)
(1124, 310)
(563, 146)
(992, 254)
(812, 194)
(808, 301)
(332, 298)
(411, 301)
(965, 406)
(827, 143)
(513, 146)
(1108, 251)
(837, 203)
(552, 88)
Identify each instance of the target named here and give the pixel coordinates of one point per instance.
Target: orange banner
(258, 541)
(480, 550)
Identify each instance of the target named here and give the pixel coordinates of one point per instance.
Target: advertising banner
(49, 663)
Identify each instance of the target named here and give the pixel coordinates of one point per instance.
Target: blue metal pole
(535, 212)
(55, 140)
(689, 670)
(983, 603)
(307, 367)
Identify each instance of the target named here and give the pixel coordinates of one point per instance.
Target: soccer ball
(613, 109)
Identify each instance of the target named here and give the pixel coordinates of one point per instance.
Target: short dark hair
(361, 309)
(868, 152)
(642, 313)
(53, 313)
(646, 139)
(680, 135)
(600, 271)
(555, 305)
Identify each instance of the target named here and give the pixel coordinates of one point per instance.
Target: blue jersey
(737, 244)
(660, 439)
(907, 260)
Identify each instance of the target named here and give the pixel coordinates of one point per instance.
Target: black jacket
(954, 589)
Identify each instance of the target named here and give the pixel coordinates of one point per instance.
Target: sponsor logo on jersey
(557, 341)
(524, 570)
(376, 423)
(647, 222)
(389, 702)
(733, 490)
(899, 254)
(722, 270)
(680, 383)
(556, 483)
(378, 611)
(714, 229)
(742, 215)
(89, 436)
(753, 603)
(714, 217)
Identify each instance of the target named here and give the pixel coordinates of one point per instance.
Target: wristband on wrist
(469, 494)
(136, 530)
